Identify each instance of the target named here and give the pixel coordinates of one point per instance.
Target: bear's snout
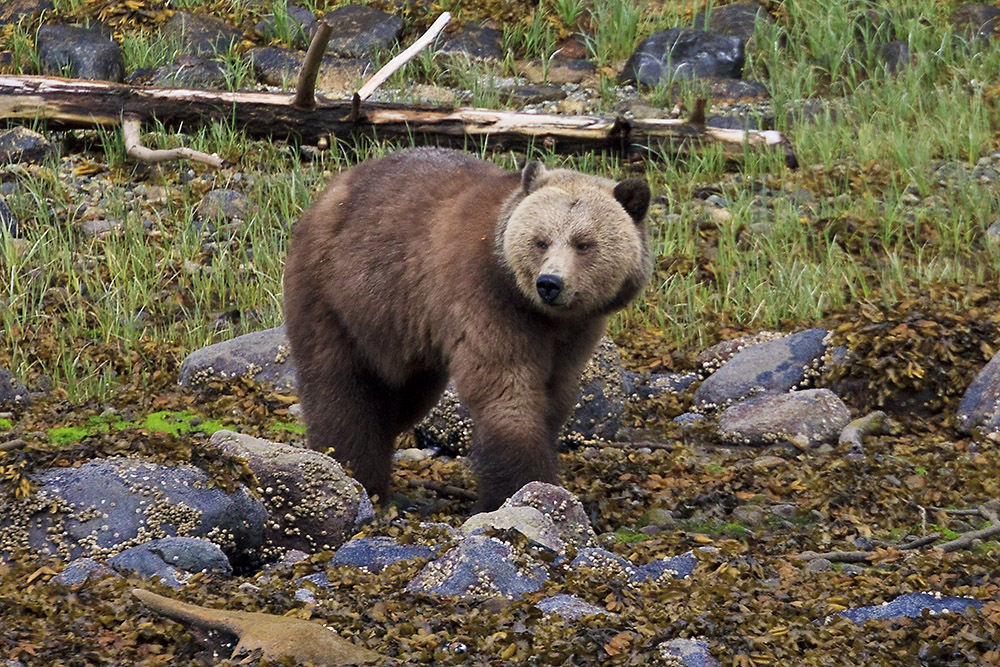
(549, 287)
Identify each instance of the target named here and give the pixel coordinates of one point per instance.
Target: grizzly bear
(430, 263)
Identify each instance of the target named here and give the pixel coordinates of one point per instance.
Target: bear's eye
(542, 245)
(583, 246)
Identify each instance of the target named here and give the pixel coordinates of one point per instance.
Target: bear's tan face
(570, 243)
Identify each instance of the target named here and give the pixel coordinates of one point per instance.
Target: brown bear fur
(424, 265)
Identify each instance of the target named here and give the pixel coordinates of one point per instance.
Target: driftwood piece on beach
(70, 103)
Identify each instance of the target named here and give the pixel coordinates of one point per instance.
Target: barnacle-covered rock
(82, 570)
(771, 367)
(480, 567)
(528, 521)
(912, 605)
(12, 390)
(374, 554)
(311, 502)
(810, 417)
(263, 356)
(106, 506)
(613, 566)
(173, 559)
(561, 507)
(687, 653)
(570, 607)
(980, 405)
(596, 415)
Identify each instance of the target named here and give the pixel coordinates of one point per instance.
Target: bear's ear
(532, 177)
(633, 195)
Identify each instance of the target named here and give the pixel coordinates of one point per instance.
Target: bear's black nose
(548, 287)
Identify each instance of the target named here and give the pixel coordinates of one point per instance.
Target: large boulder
(980, 405)
(684, 53)
(263, 356)
(311, 502)
(106, 506)
(81, 53)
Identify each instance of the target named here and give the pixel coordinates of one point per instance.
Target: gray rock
(528, 521)
(532, 94)
(570, 607)
(612, 566)
(975, 20)
(360, 31)
(558, 72)
(809, 418)
(736, 20)
(477, 41)
(377, 553)
(186, 71)
(638, 387)
(221, 207)
(312, 503)
(82, 570)
(597, 414)
(687, 653)
(993, 233)
(912, 605)
(980, 405)
(262, 356)
(280, 67)
(81, 53)
(561, 507)
(8, 221)
(13, 393)
(173, 559)
(201, 34)
(676, 567)
(713, 358)
(99, 229)
(19, 145)
(684, 53)
(106, 506)
(479, 567)
(771, 367)
(13, 12)
(298, 22)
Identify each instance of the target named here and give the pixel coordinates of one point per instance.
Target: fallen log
(71, 103)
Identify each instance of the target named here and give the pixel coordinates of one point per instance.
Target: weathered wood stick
(305, 89)
(70, 103)
(135, 149)
(403, 57)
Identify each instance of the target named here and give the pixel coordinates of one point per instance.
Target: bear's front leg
(513, 440)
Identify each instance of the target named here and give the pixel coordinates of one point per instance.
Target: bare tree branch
(135, 149)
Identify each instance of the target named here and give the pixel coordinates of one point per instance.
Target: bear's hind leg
(346, 406)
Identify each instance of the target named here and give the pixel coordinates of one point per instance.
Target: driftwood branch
(305, 90)
(135, 149)
(442, 488)
(404, 57)
(67, 103)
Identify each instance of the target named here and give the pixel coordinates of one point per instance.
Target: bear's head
(576, 244)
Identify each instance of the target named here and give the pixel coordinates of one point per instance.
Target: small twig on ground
(628, 444)
(135, 149)
(403, 57)
(837, 556)
(920, 542)
(965, 541)
(305, 89)
(443, 489)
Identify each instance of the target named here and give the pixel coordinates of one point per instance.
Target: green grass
(100, 312)
(163, 421)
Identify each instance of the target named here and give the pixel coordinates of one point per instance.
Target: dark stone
(975, 20)
(360, 31)
(8, 221)
(640, 387)
(557, 72)
(108, 505)
(301, 24)
(816, 416)
(221, 206)
(608, 564)
(173, 559)
(570, 607)
(13, 12)
(13, 393)
(912, 605)
(875, 26)
(736, 20)
(21, 145)
(280, 67)
(678, 567)
(687, 653)
(532, 94)
(894, 56)
(684, 53)
(772, 367)
(479, 567)
(374, 554)
(737, 90)
(82, 53)
(201, 35)
(477, 41)
(980, 405)
(263, 356)
(184, 72)
(82, 570)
